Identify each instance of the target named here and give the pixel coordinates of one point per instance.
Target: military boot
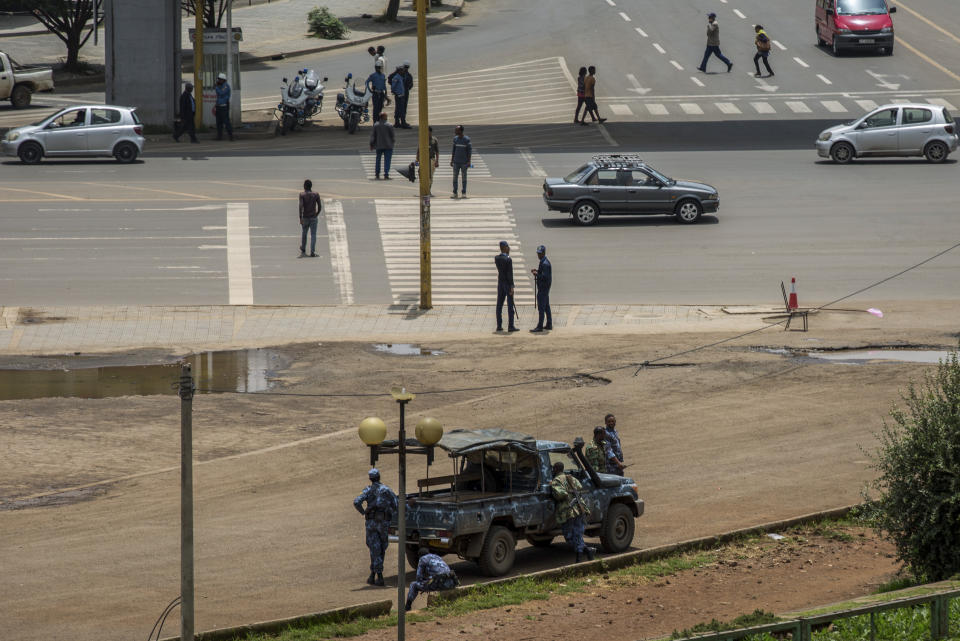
(408, 606)
(579, 556)
(379, 580)
(370, 579)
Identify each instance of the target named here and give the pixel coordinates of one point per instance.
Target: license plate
(867, 41)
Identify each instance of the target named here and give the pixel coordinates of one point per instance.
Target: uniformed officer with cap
(544, 279)
(505, 286)
(433, 575)
(381, 505)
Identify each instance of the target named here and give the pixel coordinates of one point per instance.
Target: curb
(373, 609)
(638, 556)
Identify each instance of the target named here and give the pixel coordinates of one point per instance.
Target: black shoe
(379, 580)
(387, 177)
(548, 327)
(757, 75)
(771, 75)
(377, 177)
(370, 579)
(536, 329)
(499, 329)
(729, 66)
(602, 120)
(313, 255)
(579, 557)
(701, 69)
(513, 329)
(591, 554)
(408, 606)
(303, 254)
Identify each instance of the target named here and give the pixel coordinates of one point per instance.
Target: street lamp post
(372, 432)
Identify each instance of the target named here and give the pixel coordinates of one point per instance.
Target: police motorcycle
(353, 104)
(300, 100)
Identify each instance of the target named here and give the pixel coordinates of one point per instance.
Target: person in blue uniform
(544, 276)
(505, 286)
(433, 575)
(381, 505)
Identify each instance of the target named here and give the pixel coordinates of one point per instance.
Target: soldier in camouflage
(381, 504)
(572, 510)
(600, 453)
(433, 574)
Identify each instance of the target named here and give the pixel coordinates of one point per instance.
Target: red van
(855, 24)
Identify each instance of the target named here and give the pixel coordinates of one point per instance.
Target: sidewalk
(269, 30)
(101, 328)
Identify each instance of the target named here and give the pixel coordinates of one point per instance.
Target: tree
(393, 8)
(67, 20)
(919, 474)
(213, 10)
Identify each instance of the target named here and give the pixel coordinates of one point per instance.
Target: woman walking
(581, 96)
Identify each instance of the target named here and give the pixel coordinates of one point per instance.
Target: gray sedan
(602, 187)
(90, 130)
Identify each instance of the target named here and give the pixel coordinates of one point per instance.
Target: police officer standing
(571, 510)
(433, 575)
(505, 286)
(614, 438)
(544, 278)
(381, 505)
(377, 86)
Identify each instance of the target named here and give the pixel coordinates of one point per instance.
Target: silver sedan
(88, 130)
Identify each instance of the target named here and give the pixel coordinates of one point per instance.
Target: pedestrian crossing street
(653, 109)
(399, 161)
(464, 240)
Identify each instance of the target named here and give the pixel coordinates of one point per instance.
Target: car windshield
(656, 174)
(861, 7)
(575, 176)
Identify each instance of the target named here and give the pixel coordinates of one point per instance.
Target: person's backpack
(763, 42)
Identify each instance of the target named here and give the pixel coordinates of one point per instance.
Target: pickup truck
(18, 83)
(499, 492)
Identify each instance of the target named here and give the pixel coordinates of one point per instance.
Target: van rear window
(861, 7)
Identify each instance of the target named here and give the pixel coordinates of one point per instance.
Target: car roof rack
(615, 161)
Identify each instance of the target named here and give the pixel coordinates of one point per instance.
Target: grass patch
(758, 617)
(650, 570)
(898, 583)
(337, 630)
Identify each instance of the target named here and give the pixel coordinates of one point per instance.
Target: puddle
(406, 349)
(236, 371)
(880, 355)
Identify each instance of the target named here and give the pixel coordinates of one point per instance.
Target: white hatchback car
(88, 130)
(892, 130)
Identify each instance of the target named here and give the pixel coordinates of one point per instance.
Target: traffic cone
(793, 294)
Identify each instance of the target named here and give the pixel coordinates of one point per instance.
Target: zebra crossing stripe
(727, 108)
(464, 237)
(399, 161)
(866, 105)
(763, 107)
(833, 106)
(798, 107)
(621, 110)
(691, 108)
(656, 109)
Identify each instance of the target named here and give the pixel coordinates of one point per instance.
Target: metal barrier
(801, 628)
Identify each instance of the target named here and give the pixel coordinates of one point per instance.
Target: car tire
(540, 541)
(585, 213)
(499, 552)
(836, 47)
(616, 534)
(688, 211)
(936, 152)
(20, 96)
(820, 41)
(888, 51)
(125, 152)
(842, 153)
(30, 153)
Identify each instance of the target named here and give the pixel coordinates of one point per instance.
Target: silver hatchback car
(88, 130)
(892, 130)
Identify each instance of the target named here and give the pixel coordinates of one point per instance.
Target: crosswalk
(654, 109)
(479, 169)
(464, 240)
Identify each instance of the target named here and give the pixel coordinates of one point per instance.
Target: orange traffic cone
(793, 294)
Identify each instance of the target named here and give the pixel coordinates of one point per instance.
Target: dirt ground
(89, 490)
(803, 570)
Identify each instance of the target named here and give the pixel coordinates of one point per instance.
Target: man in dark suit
(188, 110)
(544, 275)
(505, 286)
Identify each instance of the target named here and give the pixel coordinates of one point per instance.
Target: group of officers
(604, 454)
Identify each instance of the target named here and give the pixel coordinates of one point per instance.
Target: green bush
(918, 462)
(324, 24)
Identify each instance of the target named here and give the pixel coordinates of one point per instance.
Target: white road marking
(533, 167)
(339, 249)
(676, 64)
(637, 87)
(824, 79)
(691, 108)
(740, 14)
(697, 82)
(479, 169)
(798, 107)
(656, 109)
(942, 103)
(727, 108)
(800, 62)
(657, 46)
(625, 16)
(642, 32)
(779, 46)
(866, 105)
(621, 110)
(833, 106)
(611, 3)
(239, 268)
(763, 107)
(606, 136)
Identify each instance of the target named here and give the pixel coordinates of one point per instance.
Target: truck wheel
(20, 96)
(499, 552)
(412, 559)
(618, 526)
(540, 541)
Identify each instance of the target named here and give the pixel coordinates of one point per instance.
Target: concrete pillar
(142, 47)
